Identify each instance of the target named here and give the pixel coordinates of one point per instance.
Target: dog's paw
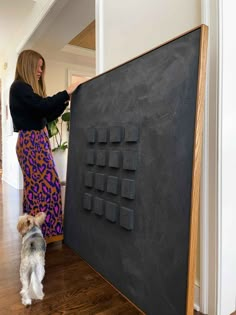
(40, 297)
(26, 301)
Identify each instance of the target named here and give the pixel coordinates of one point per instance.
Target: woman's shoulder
(19, 86)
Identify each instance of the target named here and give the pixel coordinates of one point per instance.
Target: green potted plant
(55, 131)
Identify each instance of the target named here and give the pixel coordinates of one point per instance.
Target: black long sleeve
(52, 116)
(30, 111)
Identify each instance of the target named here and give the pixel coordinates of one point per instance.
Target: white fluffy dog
(33, 250)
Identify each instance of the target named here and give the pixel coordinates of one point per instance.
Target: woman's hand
(73, 86)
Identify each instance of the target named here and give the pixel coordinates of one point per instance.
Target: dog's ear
(24, 224)
(40, 218)
(20, 224)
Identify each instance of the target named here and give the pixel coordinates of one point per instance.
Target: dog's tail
(35, 288)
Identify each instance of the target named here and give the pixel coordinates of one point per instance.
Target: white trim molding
(197, 298)
(209, 216)
(80, 72)
(99, 36)
(201, 295)
(219, 163)
(80, 51)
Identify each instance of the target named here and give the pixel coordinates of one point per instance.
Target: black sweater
(30, 111)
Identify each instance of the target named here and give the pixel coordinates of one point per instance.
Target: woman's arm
(35, 104)
(23, 98)
(52, 116)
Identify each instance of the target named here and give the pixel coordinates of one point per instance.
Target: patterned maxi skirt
(42, 190)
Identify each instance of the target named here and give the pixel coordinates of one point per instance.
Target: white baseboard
(63, 192)
(197, 298)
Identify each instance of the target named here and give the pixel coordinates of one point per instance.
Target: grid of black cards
(109, 178)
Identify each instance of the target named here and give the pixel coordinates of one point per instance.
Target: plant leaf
(62, 147)
(52, 128)
(65, 116)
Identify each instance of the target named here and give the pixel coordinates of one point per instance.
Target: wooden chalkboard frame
(197, 158)
(196, 171)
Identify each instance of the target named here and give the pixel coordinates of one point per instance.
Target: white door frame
(217, 213)
(209, 186)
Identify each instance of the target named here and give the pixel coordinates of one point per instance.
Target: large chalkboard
(133, 174)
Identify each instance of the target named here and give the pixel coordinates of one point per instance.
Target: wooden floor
(70, 285)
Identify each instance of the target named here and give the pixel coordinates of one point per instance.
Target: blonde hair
(26, 69)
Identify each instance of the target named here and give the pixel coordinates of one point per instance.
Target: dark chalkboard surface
(133, 174)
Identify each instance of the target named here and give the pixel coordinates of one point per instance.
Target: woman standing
(31, 109)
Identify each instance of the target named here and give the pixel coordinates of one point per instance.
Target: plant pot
(60, 159)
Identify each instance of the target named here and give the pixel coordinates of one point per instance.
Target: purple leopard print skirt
(42, 190)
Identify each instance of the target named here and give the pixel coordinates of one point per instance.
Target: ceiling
(86, 38)
(69, 23)
(12, 16)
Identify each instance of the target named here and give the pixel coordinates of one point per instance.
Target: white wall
(128, 28)
(57, 74)
(11, 172)
(227, 160)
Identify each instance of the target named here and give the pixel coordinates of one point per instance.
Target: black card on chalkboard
(133, 172)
